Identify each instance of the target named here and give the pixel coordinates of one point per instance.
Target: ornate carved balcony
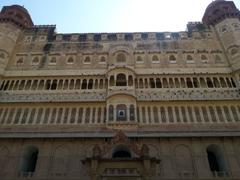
(128, 90)
(187, 94)
(53, 96)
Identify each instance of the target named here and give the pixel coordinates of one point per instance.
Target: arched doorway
(29, 160)
(121, 152)
(216, 161)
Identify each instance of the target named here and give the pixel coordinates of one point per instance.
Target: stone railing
(101, 95)
(53, 96)
(187, 94)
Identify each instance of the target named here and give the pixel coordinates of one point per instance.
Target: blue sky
(81, 16)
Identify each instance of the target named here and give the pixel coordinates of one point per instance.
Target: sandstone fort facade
(127, 106)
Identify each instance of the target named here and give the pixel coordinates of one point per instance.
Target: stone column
(166, 159)
(128, 113)
(94, 167)
(200, 159)
(114, 113)
(44, 161)
(84, 116)
(232, 163)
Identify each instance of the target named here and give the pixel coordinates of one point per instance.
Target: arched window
(121, 58)
(204, 59)
(121, 152)
(121, 80)
(189, 58)
(209, 83)
(87, 60)
(53, 60)
(70, 60)
(102, 60)
(110, 113)
(29, 160)
(155, 59)
(121, 112)
(132, 113)
(35, 61)
(216, 160)
(152, 83)
(189, 83)
(90, 84)
(20, 61)
(139, 59)
(84, 84)
(158, 83)
(218, 59)
(71, 84)
(172, 59)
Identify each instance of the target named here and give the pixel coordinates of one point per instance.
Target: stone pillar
(231, 159)
(200, 159)
(114, 113)
(44, 162)
(135, 114)
(147, 168)
(128, 113)
(166, 159)
(84, 116)
(94, 167)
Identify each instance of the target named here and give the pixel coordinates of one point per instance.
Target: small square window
(35, 60)
(139, 60)
(28, 39)
(189, 59)
(53, 61)
(70, 60)
(42, 38)
(155, 59)
(172, 59)
(87, 60)
(19, 61)
(102, 60)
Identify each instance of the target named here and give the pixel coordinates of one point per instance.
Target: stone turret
(224, 18)
(13, 20)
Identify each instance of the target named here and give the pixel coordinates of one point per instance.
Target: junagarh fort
(120, 106)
